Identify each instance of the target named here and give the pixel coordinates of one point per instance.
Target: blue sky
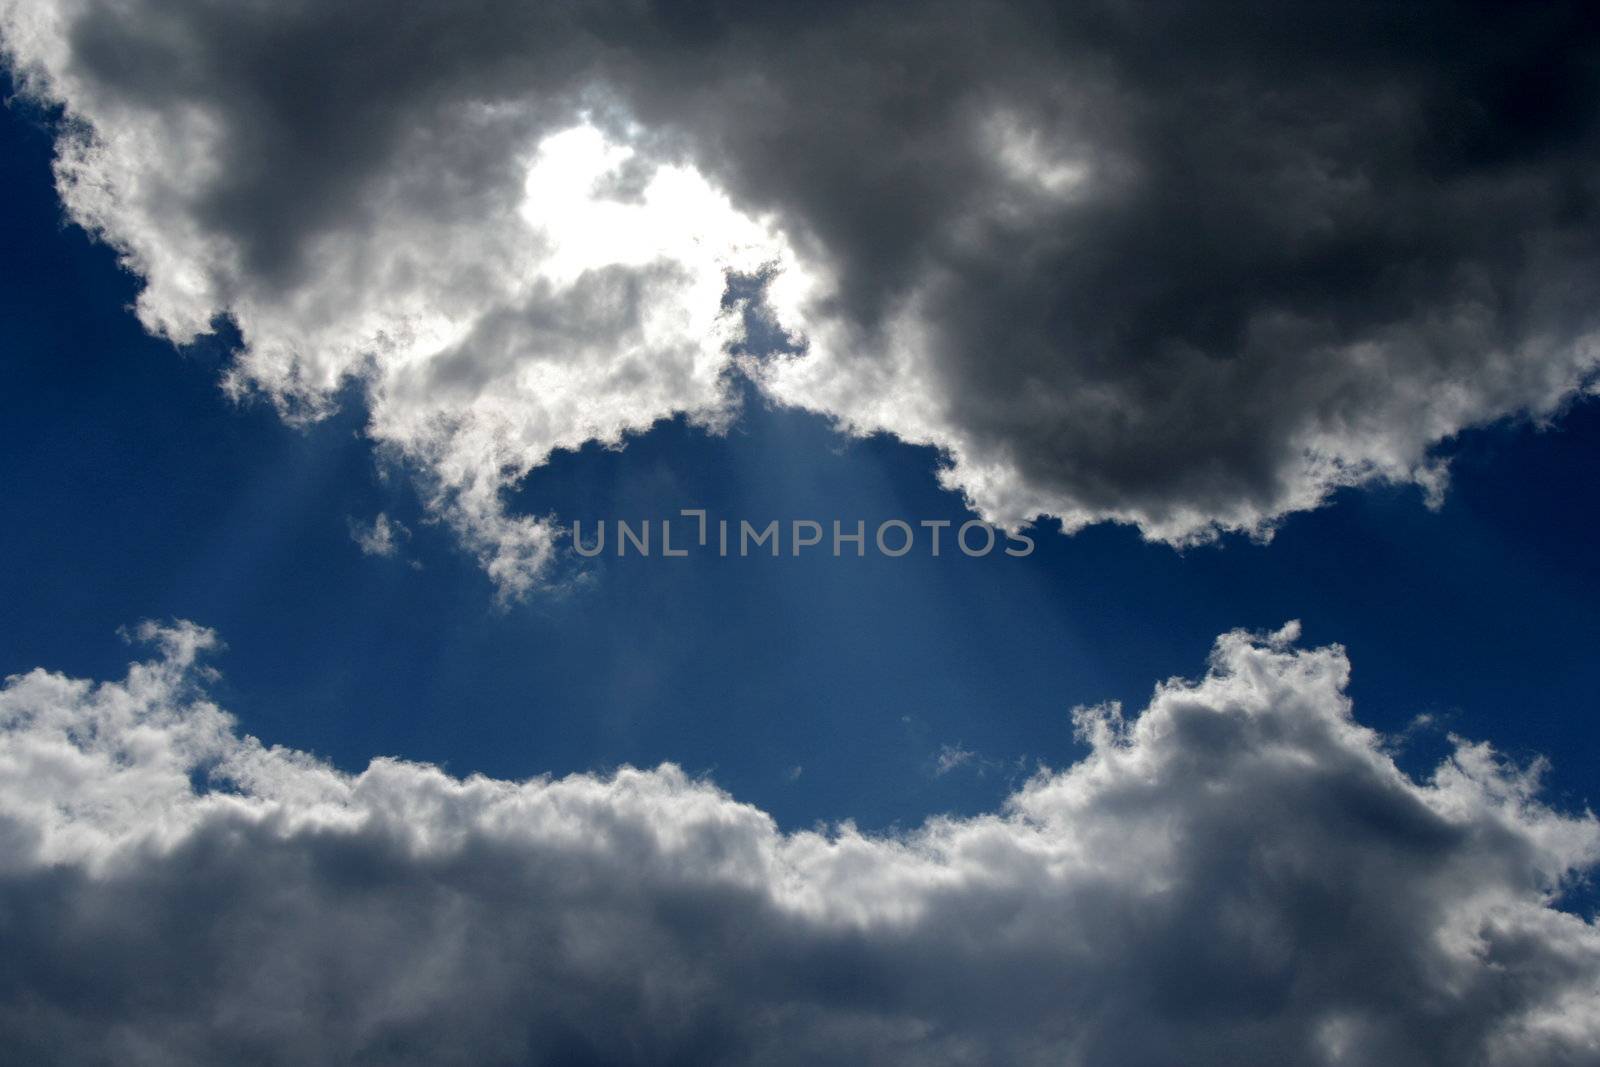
(136, 489)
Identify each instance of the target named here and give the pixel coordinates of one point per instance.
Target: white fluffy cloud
(505, 278)
(1181, 268)
(1238, 874)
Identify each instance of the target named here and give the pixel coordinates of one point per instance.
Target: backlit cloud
(1172, 266)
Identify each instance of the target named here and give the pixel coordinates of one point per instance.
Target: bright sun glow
(575, 201)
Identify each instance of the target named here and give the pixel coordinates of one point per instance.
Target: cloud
(950, 757)
(1170, 266)
(1193, 270)
(1238, 873)
(381, 537)
(503, 263)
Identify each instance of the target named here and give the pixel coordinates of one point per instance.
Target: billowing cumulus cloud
(483, 240)
(1238, 874)
(1170, 265)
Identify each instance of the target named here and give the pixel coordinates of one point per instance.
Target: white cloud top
(1239, 873)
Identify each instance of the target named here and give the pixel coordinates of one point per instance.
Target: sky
(303, 373)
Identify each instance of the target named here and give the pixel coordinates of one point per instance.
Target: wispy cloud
(380, 537)
(950, 757)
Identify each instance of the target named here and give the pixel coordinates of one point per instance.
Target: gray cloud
(1194, 268)
(1171, 265)
(1238, 874)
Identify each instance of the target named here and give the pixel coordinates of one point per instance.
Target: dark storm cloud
(1184, 265)
(1241, 874)
(1309, 241)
